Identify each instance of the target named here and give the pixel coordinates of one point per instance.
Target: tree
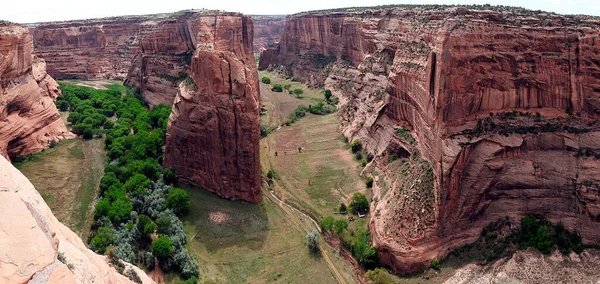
(356, 146)
(162, 247)
(137, 184)
(169, 176)
(287, 86)
(328, 95)
(369, 182)
(108, 124)
(343, 208)
(313, 241)
(379, 276)
(435, 264)
(277, 88)
(164, 224)
(88, 134)
(266, 80)
(103, 238)
(543, 240)
(359, 203)
(327, 223)
(339, 226)
(178, 200)
(298, 92)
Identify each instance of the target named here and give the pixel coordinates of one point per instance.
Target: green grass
(247, 243)
(74, 168)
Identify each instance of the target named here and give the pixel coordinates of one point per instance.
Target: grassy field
(246, 243)
(67, 176)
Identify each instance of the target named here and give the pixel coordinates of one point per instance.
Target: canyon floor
(67, 176)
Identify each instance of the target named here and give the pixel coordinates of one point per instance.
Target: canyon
(473, 114)
(212, 138)
(29, 120)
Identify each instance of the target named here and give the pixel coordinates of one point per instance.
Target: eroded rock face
(36, 246)
(451, 78)
(267, 31)
(213, 132)
(29, 120)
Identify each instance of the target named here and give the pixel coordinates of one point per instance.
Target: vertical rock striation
(29, 120)
(213, 132)
(502, 105)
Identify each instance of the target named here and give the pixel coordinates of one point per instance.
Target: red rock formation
(29, 120)
(213, 132)
(267, 31)
(439, 74)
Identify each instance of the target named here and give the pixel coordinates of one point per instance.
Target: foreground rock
(531, 266)
(213, 132)
(37, 247)
(29, 120)
(498, 110)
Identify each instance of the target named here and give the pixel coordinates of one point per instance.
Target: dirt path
(294, 217)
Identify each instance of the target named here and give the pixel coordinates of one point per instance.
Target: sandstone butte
(213, 132)
(502, 106)
(36, 247)
(29, 120)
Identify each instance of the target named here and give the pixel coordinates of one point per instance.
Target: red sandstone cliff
(447, 75)
(29, 120)
(213, 132)
(267, 31)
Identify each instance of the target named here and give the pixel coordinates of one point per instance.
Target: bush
(287, 86)
(277, 88)
(103, 238)
(379, 276)
(88, 134)
(149, 260)
(271, 174)
(435, 264)
(266, 80)
(164, 225)
(178, 200)
(369, 182)
(169, 176)
(359, 203)
(313, 241)
(108, 124)
(343, 209)
(322, 109)
(356, 146)
(163, 247)
(328, 95)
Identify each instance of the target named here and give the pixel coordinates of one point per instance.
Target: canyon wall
(36, 247)
(213, 135)
(473, 115)
(29, 120)
(267, 31)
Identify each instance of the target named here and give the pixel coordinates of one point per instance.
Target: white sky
(29, 11)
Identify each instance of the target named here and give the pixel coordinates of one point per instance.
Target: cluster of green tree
(534, 232)
(138, 208)
(89, 109)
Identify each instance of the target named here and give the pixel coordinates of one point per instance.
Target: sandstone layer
(36, 247)
(267, 31)
(498, 109)
(29, 120)
(213, 131)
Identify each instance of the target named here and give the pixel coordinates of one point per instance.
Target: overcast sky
(29, 11)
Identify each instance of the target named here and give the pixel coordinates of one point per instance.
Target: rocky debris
(501, 102)
(29, 120)
(36, 246)
(267, 31)
(213, 132)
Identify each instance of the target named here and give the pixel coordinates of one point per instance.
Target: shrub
(162, 247)
(164, 225)
(88, 134)
(359, 203)
(108, 124)
(149, 260)
(287, 86)
(178, 200)
(356, 146)
(369, 182)
(379, 276)
(137, 184)
(313, 241)
(271, 174)
(328, 95)
(169, 176)
(435, 264)
(277, 88)
(343, 209)
(266, 80)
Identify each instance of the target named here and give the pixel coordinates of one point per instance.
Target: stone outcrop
(498, 109)
(267, 31)
(213, 131)
(29, 120)
(37, 247)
